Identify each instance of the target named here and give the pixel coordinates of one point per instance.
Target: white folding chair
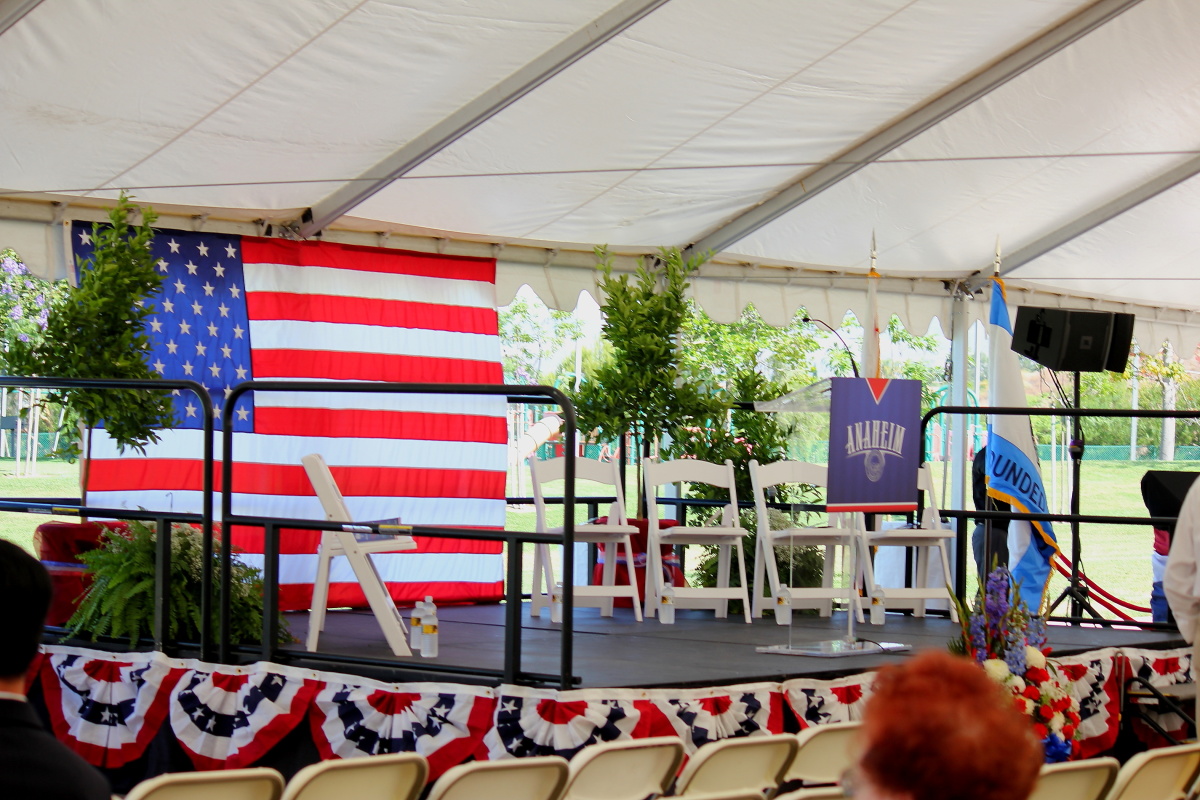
(627, 769)
(932, 536)
(532, 778)
(395, 776)
(254, 783)
(356, 546)
(616, 532)
(844, 530)
(743, 764)
(1165, 773)
(824, 752)
(1089, 779)
(727, 535)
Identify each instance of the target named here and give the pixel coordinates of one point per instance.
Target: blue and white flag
(1013, 474)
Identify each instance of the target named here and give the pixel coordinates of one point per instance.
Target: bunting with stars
(235, 308)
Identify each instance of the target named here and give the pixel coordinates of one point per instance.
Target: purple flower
(978, 640)
(1014, 656)
(12, 266)
(1035, 633)
(16, 313)
(24, 337)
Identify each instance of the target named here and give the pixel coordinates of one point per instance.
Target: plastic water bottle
(878, 607)
(429, 630)
(666, 607)
(414, 626)
(556, 603)
(783, 606)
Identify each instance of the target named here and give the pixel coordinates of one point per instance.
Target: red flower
(1040, 731)
(1032, 693)
(1036, 675)
(1068, 731)
(1045, 712)
(1019, 704)
(1073, 717)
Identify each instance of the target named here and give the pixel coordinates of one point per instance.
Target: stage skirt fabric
(108, 707)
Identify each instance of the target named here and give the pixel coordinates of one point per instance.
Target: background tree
(531, 335)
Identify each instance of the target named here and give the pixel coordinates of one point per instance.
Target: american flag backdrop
(238, 308)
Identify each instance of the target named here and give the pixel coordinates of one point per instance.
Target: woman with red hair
(938, 728)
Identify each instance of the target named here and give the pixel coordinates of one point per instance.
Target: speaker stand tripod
(1077, 590)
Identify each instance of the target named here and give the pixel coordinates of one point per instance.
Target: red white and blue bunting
(228, 717)
(1160, 668)
(107, 707)
(357, 717)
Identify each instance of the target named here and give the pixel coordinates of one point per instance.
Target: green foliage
(530, 333)
(120, 600)
(643, 387)
(98, 330)
(720, 349)
(25, 301)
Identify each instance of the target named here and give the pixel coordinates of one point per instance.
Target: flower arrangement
(1010, 644)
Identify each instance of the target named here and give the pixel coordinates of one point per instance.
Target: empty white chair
(533, 778)
(1089, 779)
(1167, 773)
(615, 532)
(843, 531)
(824, 752)
(814, 793)
(391, 776)
(628, 769)
(356, 547)
(744, 764)
(727, 535)
(931, 539)
(255, 783)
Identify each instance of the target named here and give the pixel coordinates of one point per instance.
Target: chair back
(816, 793)
(690, 470)
(628, 769)
(326, 487)
(1166, 773)
(931, 517)
(825, 752)
(533, 778)
(1089, 779)
(765, 476)
(393, 776)
(255, 783)
(743, 764)
(607, 473)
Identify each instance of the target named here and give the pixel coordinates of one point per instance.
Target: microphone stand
(849, 352)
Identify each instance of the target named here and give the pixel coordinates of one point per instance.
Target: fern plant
(120, 600)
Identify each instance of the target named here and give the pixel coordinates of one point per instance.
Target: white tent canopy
(778, 134)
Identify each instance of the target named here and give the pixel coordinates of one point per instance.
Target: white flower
(1057, 722)
(997, 670)
(1026, 705)
(1017, 683)
(1034, 657)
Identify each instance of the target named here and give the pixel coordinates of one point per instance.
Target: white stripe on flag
(341, 337)
(447, 511)
(363, 283)
(261, 448)
(393, 567)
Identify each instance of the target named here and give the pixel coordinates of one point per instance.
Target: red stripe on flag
(369, 311)
(298, 596)
(347, 423)
(366, 259)
(325, 365)
(293, 541)
(287, 480)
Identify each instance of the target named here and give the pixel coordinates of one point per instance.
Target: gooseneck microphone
(849, 352)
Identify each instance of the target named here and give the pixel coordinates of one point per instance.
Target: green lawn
(1115, 556)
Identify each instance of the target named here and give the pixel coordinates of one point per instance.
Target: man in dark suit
(33, 764)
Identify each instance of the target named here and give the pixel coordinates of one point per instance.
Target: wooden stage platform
(698, 650)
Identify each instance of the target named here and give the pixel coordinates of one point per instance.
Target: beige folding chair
(743, 764)
(533, 778)
(617, 531)
(933, 535)
(727, 535)
(391, 776)
(1166, 773)
(256, 783)
(843, 530)
(815, 793)
(1089, 779)
(356, 546)
(628, 769)
(824, 752)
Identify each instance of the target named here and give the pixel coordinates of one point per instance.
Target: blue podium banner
(874, 444)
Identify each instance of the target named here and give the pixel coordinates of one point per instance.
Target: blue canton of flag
(200, 330)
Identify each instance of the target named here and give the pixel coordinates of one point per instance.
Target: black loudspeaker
(1073, 340)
